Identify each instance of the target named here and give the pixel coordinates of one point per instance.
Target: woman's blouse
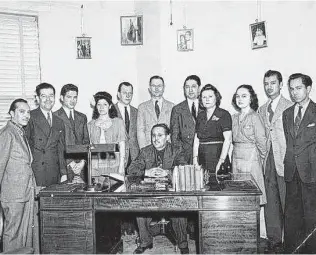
(212, 130)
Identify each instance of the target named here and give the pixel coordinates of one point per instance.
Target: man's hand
(77, 167)
(63, 178)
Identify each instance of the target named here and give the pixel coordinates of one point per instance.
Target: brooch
(215, 118)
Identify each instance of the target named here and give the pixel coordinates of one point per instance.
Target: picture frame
(185, 40)
(83, 45)
(132, 30)
(258, 35)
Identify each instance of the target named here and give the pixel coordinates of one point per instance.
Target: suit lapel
(305, 121)
(279, 109)
(42, 122)
(151, 109)
(188, 114)
(290, 121)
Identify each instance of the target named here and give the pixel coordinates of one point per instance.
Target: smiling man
(17, 179)
(299, 122)
(46, 135)
(183, 117)
(271, 114)
(76, 130)
(154, 111)
(158, 155)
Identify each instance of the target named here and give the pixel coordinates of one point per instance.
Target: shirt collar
(304, 106)
(122, 106)
(274, 102)
(45, 113)
(190, 102)
(159, 101)
(17, 127)
(67, 111)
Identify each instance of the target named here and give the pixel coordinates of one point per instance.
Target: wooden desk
(228, 220)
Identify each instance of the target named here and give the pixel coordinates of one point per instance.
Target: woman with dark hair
(213, 131)
(105, 127)
(249, 140)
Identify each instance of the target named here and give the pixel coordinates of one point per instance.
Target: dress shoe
(140, 249)
(184, 250)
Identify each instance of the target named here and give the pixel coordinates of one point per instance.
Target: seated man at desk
(160, 156)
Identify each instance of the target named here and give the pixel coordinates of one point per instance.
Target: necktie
(270, 111)
(72, 122)
(193, 111)
(157, 110)
(127, 122)
(298, 120)
(49, 120)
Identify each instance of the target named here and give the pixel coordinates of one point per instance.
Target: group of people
(275, 143)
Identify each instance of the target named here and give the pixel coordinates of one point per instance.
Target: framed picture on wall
(83, 47)
(258, 33)
(132, 30)
(185, 39)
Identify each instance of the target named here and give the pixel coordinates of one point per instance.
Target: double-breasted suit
(77, 136)
(147, 118)
(131, 145)
(300, 178)
(48, 148)
(17, 187)
(274, 169)
(182, 125)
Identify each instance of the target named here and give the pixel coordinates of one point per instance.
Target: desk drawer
(146, 203)
(245, 203)
(63, 203)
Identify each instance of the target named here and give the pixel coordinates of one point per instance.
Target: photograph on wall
(185, 39)
(131, 30)
(258, 34)
(83, 47)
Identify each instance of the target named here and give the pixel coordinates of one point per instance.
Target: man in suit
(129, 114)
(299, 122)
(271, 114)
(154, 111)
(183, 117)
(46, 135)
(158, 155)
(17, 179)
(76, 130)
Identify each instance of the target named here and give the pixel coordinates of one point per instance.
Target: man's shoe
(184, 250)
(140, 249)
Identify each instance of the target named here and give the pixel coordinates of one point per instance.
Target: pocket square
(311, 125)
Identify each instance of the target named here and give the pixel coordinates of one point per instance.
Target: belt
(212, 142)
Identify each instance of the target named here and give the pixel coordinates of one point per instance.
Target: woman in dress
(213, 131)
(105, 127)
(249, 140)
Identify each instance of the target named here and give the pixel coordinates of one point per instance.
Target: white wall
(222, 52)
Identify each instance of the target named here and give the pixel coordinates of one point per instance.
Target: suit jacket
(147, 118)
(182, 125)
(16, 175)
(147, 159)
(275, 133)
(300, 149)
(131, 142)
(48, 148)
(81, 135)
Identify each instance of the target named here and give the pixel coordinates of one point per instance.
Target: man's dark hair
(124, 83)
(44, 85)
(156, 77)
(68, 87)
(271, 73)
(306, 80)
(13, 105)
(193, 77)
(164, 126)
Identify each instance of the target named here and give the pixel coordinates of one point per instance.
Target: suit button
(271, 129)
(42, 163)
(296, 156)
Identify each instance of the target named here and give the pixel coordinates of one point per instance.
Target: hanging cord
(170, 3)
(82, 20)
(185, 16)
(258, 11)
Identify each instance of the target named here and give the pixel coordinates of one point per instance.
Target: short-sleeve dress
(105, 163)
(211, 138)
(250, 147)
